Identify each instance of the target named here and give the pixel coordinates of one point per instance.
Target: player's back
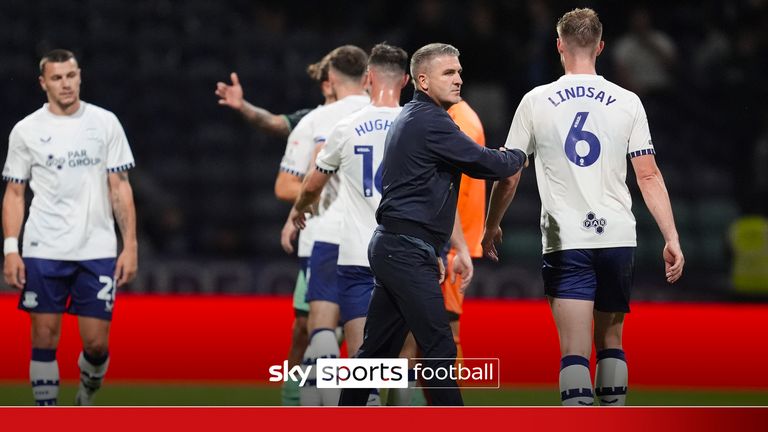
(325, 119)
(581, 129)
(327, 227)
(360, 151)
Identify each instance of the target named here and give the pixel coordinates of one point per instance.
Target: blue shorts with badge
(85, 288)
(355, 289)
(322, 282)
(600, 275)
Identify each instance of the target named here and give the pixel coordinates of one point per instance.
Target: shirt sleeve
(329, 159)
(299, 149)
(295, 117)
(454, 147)
(640, 142)
(521, 131)
(19, 161)
(119, 155)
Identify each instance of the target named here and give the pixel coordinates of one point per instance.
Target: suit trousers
(407, 297)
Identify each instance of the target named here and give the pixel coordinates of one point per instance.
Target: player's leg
(615, 269)
(299, 335)
(353, 335)
(289, 392)
(94, 358)
(611, 374)
(323, 298)
(573, 319)
(45, 297)
(323, 343)
(420, 300)
(454, 299)
(570, 284)
(410, 396)
(93, 300)
(385, 328)
(43, 367)
(355, 288)
(384, 331)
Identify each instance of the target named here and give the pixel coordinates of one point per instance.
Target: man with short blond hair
(582, 128)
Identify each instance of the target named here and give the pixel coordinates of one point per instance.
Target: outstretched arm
(13, 216)
(501, 196)
(260, 118)
(121, 195)
(656, 198)
(451, 145)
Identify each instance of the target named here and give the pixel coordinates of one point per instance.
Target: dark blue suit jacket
(424, 156)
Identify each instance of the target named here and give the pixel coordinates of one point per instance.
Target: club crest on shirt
(593, 222)
(30, 300)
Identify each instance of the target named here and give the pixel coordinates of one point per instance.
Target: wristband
(11, 245)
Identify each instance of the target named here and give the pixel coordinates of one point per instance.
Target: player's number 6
(576, 134)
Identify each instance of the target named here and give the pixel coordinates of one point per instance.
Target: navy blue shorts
(600, 275)
(355, 289)
(85, 288)
(322, 282)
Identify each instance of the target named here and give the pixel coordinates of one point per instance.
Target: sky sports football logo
(389, 373)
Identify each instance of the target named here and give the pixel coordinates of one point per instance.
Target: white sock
(324, 344)
(611, 377)
(308, 393)
(91, 376)
(44, 375)
(575, 383)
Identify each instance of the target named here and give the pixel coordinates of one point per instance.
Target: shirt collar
(420, 96)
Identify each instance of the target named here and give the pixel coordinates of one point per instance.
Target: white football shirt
(328, 225)
(581, 129)
(354, 151)
(297, 160)
(66, 160)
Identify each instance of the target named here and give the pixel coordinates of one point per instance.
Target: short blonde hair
(581, 27)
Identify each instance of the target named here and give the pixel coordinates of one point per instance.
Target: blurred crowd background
(208, 218)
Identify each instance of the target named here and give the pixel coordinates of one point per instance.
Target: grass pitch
(194, 394)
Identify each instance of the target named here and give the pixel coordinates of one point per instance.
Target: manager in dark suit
(425, 155)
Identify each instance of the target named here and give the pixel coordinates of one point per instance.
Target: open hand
(491, 237)
(230, 95)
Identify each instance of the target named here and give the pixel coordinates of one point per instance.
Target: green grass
(217, 395)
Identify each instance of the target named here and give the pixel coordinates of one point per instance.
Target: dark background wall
(208, 219)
